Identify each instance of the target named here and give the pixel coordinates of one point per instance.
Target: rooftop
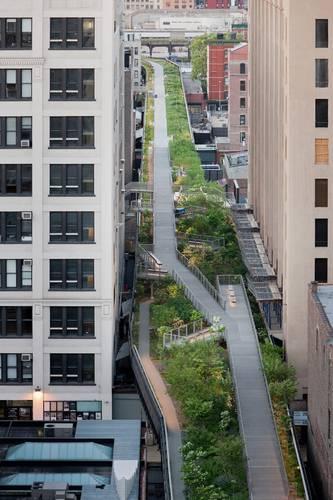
(325, 296)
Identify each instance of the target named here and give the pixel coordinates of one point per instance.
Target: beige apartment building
(291, 177)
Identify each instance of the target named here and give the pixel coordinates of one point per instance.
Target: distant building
(238, 97)
(217, 72)
(224, 4)
(320, 377)
(179, 4)
(132, 45)
(131, 5)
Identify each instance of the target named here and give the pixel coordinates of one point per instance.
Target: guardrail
(202, 239)
(238, 280)
(202, 278)
(154, 411)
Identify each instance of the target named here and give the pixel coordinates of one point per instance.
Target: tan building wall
(282, 138)
(320, 399)
(178, 4)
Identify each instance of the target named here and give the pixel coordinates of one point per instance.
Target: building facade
(290, 153)
(217, 71)
(61, 140)
(225, 4)
(320, 399)
(131, 5)
(238, 97)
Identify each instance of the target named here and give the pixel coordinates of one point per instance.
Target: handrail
(202, 278)
(164, 444)
(306, 487)
(242, 284)
(218, 241)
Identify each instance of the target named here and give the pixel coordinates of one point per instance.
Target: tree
(199, 56)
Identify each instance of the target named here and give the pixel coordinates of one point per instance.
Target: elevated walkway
(265, 468)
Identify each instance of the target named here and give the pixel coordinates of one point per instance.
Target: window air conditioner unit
(26, 215)
(26, 357)
(25, 143)
(27, 262)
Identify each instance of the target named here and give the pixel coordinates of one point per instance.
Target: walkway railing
(202, 278)
(192, 298)
(238, 280)
(202, 239)
(155, 412)
(184, 331)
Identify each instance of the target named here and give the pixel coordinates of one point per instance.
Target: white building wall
(107, 60)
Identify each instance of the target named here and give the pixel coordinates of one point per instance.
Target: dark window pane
(56, 231)
(11, 321)
(88, 368)
(321, 72)
(56, 325)
(26, 179)
(27, 321)
(88, 321)
(321, 232)
(11, 226)
(88, 226)
(72, 131)
(56, 278)
(72, 368)
(242, 68)
(11, 180)
(321, 33)
(26, 128)
(72, 273)
(88, 131)
(88, 273)
(72, 83)
(26, 33)
(321, 270)
(72, 226)
(88, 85)
(72, 326)
(56, 83)
(72, 179)
(321, 192)
(56, 368)
(87, 179)
(56, 182)
(56, 132)
(321, 112)
(11, 33)
(56, 35)
(72, 32)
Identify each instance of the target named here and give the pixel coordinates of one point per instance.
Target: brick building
(320, 394)
(225, 4)
(238, 97)
(179, 4)
(217, 71)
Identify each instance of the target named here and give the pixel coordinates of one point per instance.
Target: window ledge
(69, 147)
(64, 242)
(81, 99)
(70, 290)
(70, 195)
(92, 384)
(16, 383)
(19, 337)
(78, 337)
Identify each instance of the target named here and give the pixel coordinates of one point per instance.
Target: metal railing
(203, 280)
(206, 334)
(200, 239)
(156, 415)
(209, 317)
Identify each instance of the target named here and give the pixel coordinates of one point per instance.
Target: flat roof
(75, 478)
(325, 296)
(32, 451)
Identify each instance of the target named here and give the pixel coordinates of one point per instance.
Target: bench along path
(266, 474)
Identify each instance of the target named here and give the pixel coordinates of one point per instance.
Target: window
(15, 227)
(15, 33)
(71, 180)
(322, 113)
(71, 274)
(242, 138)
(72, 369)
(72, 227)
(242, 68)
(72, 322)
(15, 368)
(72, 33)
(321, 72)
(72, 132)
(242, 119)
(242, 102)
(321, 152)
(321, 232)
(321, 270)
(242, 86)
(15, 84)
(15, 321)
(72, 84)
(321, 33)
(321, 192)
(15, 132)
(15, 274)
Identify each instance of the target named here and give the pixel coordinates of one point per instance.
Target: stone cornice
(20, 61)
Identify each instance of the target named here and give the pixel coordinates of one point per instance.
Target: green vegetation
(200, 380)
(149, 123)
(182, 151)
(199, 55)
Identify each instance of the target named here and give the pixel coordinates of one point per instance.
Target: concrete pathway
(266, 475)
(166, 404)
